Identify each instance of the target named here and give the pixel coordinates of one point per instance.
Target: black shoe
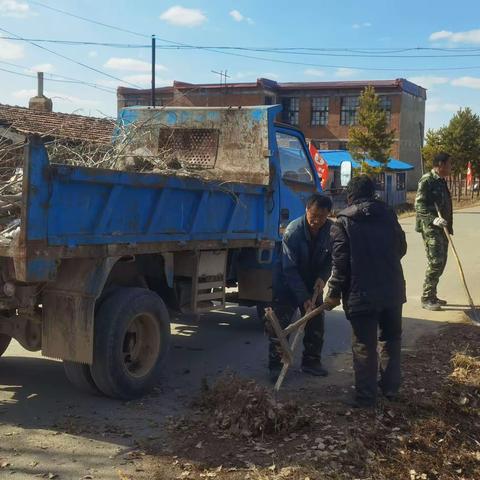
(432, 305)
(274, 372)
(441, 302)
(314, 368)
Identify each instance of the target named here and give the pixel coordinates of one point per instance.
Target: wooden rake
(282, 335)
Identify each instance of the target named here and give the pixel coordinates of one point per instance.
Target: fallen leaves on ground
(432, 433)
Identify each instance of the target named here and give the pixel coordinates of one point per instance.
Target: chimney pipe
(40, 84)
(40, 103)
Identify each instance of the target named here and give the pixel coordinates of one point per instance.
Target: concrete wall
(412, 124)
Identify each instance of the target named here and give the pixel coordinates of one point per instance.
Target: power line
(251, 57)
(85, 19)
(76, 42)
(349, 52)
(73, 61)
(58, 80)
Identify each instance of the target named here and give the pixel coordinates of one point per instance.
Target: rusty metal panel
(227, 144)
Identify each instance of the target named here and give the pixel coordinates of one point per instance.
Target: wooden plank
(282, 338)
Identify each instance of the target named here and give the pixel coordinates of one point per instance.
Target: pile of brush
(243, 407)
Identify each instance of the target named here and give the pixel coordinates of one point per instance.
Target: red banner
(469, 175)
(321, 165)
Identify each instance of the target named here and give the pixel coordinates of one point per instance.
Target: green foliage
(460, 138)
(371, 138)
(433, 145)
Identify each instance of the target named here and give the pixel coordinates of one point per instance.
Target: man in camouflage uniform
(432, 193)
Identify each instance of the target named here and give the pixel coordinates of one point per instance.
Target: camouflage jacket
(432, 190)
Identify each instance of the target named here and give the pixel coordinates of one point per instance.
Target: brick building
(324, 111)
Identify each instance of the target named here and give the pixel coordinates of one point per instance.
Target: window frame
(386, 106)
(399, 182)
(308, 166)
(289, 112)
(321, 110)
(349, 112)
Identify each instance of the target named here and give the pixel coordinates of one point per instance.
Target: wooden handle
(296, 339)
(460, 268)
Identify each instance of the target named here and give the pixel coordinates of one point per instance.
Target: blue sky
(451, 27)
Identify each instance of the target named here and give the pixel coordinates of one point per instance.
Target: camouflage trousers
(436, 246)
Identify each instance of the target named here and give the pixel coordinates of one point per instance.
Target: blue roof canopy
(334, 158)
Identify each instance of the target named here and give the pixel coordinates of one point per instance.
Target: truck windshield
(293, 159)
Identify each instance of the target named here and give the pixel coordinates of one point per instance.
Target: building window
(291, 109)
(386, 105)
(342, 145)
(379, 180)
(319, 111)
(293, 159)
(401, 178)
(349, 110)
(268, 100)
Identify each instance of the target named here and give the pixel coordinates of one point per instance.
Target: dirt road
(48, 429)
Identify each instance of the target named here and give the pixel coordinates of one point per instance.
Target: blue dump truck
(103, 257)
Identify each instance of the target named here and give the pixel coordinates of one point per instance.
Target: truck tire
(131, 341)
(80, 377)
(4, 342)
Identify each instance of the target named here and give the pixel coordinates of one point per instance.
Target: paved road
(47, 427)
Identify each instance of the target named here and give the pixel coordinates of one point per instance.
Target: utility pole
(153, 72)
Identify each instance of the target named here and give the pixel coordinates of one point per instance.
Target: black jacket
(367, 245)
(301, 261)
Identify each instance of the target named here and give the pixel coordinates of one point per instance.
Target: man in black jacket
(367, 245)
(303, 264)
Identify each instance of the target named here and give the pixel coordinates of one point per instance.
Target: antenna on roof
(223, 76)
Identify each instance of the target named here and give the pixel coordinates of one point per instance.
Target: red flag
(469, 175)
(321, 165)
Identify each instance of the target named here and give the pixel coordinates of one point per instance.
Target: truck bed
(70, 211)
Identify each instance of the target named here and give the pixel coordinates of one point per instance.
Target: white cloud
(183, 17)
(468, 82)
(438, 105)
(93, 53)
(42, 67)
(469, 36)
(130, 64)
(10, 50)
(345, 72)
(12, 8)
(238, 17)
(428, 81)
(314, 72)
(361, 25)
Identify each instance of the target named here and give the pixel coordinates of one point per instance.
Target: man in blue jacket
(303, 265)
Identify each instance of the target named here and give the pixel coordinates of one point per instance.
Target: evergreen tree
(371, 138)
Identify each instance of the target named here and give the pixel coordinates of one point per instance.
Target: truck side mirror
(345, 173)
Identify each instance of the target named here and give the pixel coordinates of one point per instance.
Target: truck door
(297, 178)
